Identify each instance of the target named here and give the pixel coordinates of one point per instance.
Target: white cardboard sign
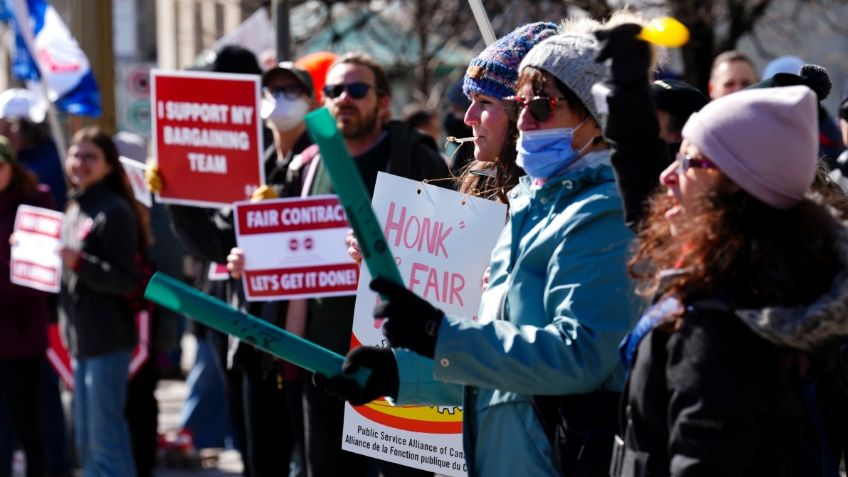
(442, 241)
(35, 260)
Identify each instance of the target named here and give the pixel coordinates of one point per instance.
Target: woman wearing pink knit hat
(749, 284)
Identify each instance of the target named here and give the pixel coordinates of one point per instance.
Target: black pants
(233, 381)
(20, 397)
(270, 434)
(323, 419)
(142, 413)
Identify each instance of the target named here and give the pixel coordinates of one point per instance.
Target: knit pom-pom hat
(495, 71)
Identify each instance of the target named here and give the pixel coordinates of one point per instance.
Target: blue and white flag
(46, 51)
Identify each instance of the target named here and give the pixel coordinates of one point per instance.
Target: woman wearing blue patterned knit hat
(499, 440)
(491, 77)
(558, 300)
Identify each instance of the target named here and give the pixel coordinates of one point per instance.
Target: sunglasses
(686, 162)
(540, 107)
(290, 91)
(354, 90)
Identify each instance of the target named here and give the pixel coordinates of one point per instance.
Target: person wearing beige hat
(747, 275)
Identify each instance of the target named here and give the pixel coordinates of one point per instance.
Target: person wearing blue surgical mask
(556, 129)
(537, 369)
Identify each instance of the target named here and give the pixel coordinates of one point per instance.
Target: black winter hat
(679, 98)
(235, 59)
(814, 77)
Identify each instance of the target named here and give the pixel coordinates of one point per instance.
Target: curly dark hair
(735, 247)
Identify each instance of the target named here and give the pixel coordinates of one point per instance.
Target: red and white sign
(206, 131)
(135, 174)
(60, 358)
(218, 272)
(294, 248)
(35, 260)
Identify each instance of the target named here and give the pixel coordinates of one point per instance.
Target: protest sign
(217, 272)
(35, 260)
(135, 174)
(60, 359)
(294, 248)
(207, 134)
(442, 241)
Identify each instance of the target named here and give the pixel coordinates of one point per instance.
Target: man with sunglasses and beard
(358, 96)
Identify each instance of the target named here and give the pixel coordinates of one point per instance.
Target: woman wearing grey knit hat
(546, 325)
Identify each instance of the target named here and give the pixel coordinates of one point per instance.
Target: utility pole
(280, 16)
(91, 24)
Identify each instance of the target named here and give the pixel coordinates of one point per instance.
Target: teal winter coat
(557, 305)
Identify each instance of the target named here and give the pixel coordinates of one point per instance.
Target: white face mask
(283, 114)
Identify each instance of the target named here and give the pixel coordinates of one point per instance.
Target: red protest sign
(206, 131)
(60, 359)
(294, 248)
(34, 260)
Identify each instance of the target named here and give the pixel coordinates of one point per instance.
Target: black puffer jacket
(710, 399)
(722, 395)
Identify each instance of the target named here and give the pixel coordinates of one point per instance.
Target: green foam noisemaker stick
(177, 296)
(347, 183)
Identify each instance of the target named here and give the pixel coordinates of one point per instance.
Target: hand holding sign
(383, 381)
(353, 248)
(235, 262)
(412, 322)
(153, 178)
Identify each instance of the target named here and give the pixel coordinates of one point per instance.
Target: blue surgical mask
(544, 152)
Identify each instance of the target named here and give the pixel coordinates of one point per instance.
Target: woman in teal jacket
(558, 300)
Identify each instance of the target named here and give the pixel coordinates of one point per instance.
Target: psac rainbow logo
(429, 419)
(432, 419)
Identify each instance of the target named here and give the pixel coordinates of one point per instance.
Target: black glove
(383, 380)
(631, 57)
(412, 322)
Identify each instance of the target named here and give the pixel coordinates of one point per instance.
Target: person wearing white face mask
(287, 95)
(272, 409)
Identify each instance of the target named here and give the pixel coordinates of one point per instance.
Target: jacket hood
(808, 327)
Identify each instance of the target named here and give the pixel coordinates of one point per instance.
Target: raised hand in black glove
(631, 57)
(412, 322)
(383, 380)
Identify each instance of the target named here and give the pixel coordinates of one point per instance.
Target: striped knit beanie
(495, 71)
